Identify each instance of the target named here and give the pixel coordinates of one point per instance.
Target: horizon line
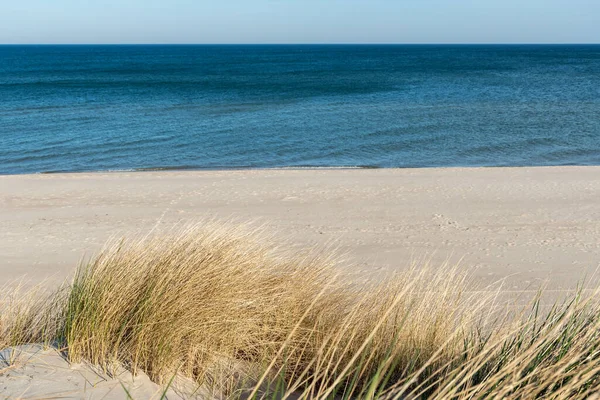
(314, 44)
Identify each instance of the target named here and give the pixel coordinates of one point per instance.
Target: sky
(299, 21)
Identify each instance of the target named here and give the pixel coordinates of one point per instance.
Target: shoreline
(295, 168)
(523, 224)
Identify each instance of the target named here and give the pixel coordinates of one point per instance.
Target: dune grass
(224, 309)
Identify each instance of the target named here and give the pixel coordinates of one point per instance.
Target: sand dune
(35, 372)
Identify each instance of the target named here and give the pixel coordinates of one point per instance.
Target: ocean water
(90, 108)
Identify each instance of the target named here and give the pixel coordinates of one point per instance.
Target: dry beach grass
(226, 309)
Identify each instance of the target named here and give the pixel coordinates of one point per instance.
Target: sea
(136, 107)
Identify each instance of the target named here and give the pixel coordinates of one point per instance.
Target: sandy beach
(522, 226)
(527, 225)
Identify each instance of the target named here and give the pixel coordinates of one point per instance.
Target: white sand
(524, 224)
(528, 224)
(32, 372)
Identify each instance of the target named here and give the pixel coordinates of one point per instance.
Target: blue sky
(300, 21)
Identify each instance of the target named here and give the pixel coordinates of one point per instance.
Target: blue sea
(97, 108)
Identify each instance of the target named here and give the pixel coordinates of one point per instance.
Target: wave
(212, 168)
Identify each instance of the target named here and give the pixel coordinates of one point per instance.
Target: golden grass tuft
(224, 308)
(181, 301)
(195, 300)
